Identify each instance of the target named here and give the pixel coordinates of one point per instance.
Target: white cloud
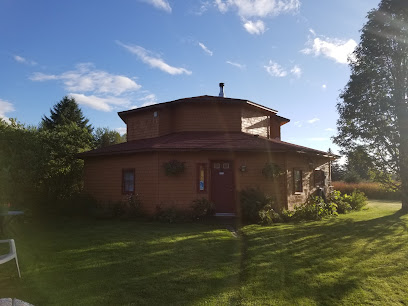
(275, 70)
(86, 79)
(121, 130)
(314, 120)
(149, 99)
(312, 32)
(257, 27)
(204, 6)
(222, 6)
(258, 8)
(298, 124)
(5, 107)
(160, 4)
(330, 129)
(296, 71)
(23, 60)
(238, 65)
(94, 88)
(153, 61)
(100, 103)
(206, 50)
(332, 48)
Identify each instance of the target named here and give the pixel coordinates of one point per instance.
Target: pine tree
(65, 112)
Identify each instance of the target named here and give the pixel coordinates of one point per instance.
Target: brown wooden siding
(275, 128)
(142, 125)
(103, 177)
(210, 117)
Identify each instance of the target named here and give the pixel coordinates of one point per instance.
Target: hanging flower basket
(174, 167)
(272, 171)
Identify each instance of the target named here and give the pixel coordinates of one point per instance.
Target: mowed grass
(354, 259)
(118, 263)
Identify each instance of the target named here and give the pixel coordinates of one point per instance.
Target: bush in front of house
(252, 201)
(171, 215)
(202, 208)
(268, 216)
(357, 200)
(127, 208)
(315, 208)
(336, 197)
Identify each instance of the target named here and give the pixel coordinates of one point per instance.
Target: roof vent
(221, 94)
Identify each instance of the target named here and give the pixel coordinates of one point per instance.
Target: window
(297, 180)
(319, 178)
(128, 181)
(201, 177)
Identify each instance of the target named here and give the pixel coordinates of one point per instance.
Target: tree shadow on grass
(328, 262)
(126, 263)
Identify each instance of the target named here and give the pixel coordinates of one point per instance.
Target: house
(226, 145)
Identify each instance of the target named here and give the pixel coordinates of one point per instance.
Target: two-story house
(224, 144)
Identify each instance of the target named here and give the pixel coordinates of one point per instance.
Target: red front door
(222, 186)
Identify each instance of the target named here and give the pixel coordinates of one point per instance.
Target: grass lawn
(358, 258)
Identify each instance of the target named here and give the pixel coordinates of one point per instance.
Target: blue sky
(289, 55)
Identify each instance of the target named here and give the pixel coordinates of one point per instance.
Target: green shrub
(252, 201)
(286, 215)
(314, 209)
(131, 207)
(202, 208)
(342, 206)
(171, 215)
(267, 215)
(357, 200)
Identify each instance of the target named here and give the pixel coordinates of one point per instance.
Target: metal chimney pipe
(222, 94)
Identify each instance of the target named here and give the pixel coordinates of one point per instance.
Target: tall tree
(65, 133)
(373, 106)
(66, 112)
(105, 137)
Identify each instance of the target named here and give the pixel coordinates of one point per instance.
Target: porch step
(225, 215)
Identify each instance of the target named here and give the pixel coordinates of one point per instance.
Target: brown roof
(200, 99)
(202, 141)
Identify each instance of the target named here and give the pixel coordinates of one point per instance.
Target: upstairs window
(128, 181)
(297, 180)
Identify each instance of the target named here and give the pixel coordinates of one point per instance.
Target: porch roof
(203, 141)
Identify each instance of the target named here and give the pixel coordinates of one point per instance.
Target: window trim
(132, 170)
(294, 181)
(204, 165)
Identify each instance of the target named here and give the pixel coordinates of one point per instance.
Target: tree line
(39, 164)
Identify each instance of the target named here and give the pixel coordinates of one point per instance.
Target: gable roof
(203, 141)
(203, 99)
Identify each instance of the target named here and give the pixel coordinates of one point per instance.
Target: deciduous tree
(373, 106)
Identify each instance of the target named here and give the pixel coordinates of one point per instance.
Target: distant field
(372, 190)
(357, 258)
